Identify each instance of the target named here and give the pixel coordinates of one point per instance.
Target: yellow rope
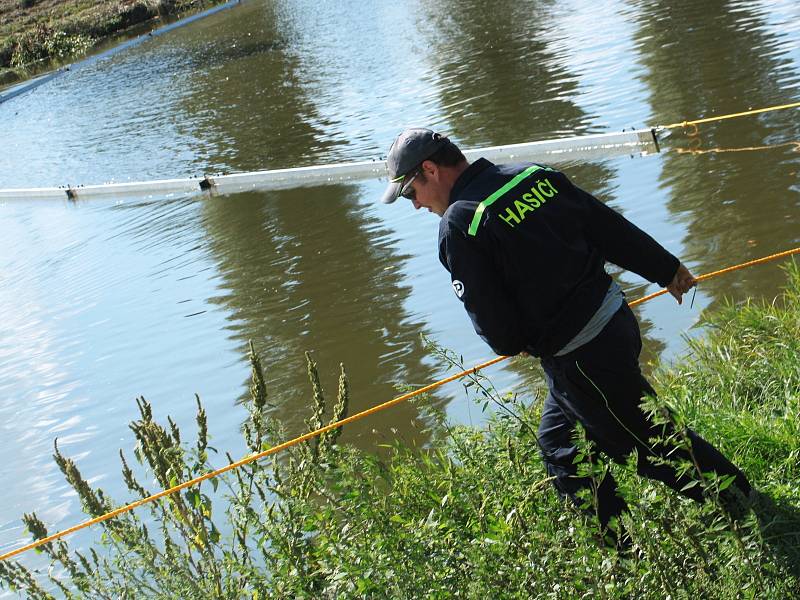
(751, 263)
(730, 116)
(341, 423)
(744, 149)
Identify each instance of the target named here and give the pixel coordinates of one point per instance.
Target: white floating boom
(587, 147)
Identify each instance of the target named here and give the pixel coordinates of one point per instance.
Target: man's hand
(681, 283)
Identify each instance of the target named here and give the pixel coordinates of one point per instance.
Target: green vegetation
(473, 517)
(38, 34)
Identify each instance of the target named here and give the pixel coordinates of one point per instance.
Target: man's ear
(430, 168)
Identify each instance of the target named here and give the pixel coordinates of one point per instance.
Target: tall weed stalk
(473, 514)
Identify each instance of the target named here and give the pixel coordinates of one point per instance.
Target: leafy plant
(471, 516)
(43, 43)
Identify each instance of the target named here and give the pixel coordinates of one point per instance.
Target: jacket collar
(467, 176)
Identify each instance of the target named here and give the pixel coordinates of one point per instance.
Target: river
(104, 301)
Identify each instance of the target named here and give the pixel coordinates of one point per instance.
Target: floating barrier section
(588, 147)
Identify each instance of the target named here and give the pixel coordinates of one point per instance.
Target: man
(526, 250)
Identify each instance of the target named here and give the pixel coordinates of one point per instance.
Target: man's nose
(416, 204)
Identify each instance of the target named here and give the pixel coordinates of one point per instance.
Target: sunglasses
(407, 191)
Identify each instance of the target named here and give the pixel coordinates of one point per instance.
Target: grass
(472, 517)
(36, 35)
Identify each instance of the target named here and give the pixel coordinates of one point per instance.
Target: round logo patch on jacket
(458, 288)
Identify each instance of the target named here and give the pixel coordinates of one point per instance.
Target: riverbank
(475, 516)
(38, 35)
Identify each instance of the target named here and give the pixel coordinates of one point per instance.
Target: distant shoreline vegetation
(37, 35)
(473, 515)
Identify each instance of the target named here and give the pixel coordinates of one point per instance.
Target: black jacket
(526, 250)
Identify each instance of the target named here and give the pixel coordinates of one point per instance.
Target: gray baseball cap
(410, 148)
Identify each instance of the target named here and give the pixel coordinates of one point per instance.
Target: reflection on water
(733, 206)
(517, 90)
(104, 302)
(303, 272)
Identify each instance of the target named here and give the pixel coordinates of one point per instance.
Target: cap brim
(392, 192)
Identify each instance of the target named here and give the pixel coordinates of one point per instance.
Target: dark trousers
(601, 386)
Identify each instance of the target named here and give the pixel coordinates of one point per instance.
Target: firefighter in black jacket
(526, 251)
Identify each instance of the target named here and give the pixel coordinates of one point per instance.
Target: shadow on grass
(779, 523)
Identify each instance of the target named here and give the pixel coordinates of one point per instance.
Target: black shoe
(736, 503)
(617, 538)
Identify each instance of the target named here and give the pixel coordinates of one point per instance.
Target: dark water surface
(105, 301)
